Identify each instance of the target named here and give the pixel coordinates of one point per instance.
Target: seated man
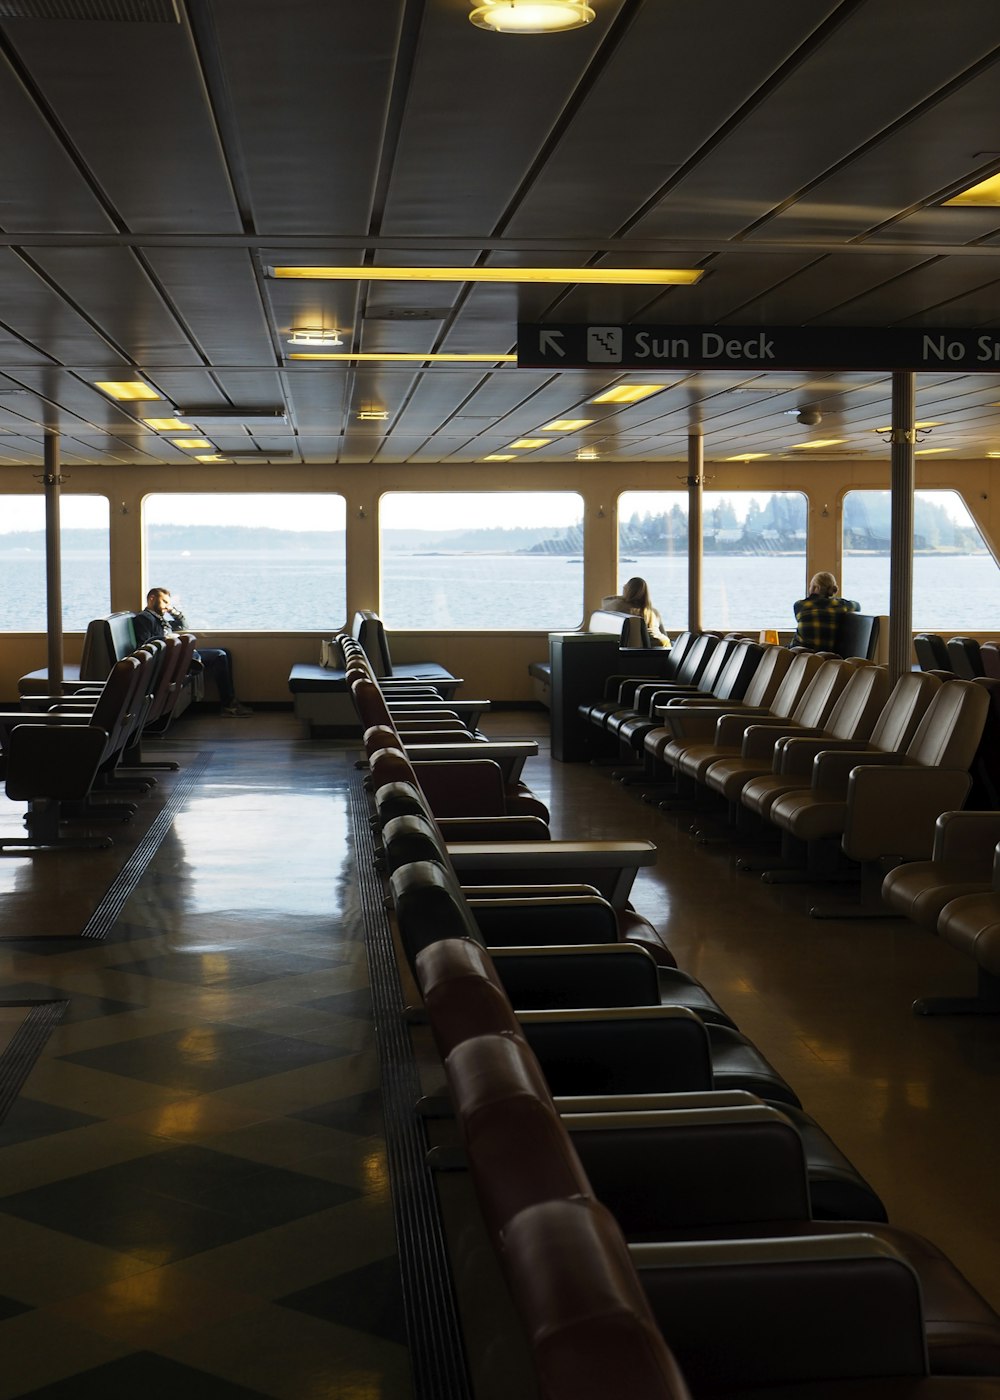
(816, 617)
(160, 618)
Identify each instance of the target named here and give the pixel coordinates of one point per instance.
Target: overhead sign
(581, 346)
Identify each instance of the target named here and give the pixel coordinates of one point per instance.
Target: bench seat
(321, 700)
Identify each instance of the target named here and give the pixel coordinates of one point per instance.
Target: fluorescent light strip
(747, 457)
(411, 356)
(984, 192)
(168, 425)
(531, 442)
(822, 442)
(607, 277)
(566, 425)
(500, 457)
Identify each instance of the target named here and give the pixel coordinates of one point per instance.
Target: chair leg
(871, 905)
(986, 1002)
(42, 824)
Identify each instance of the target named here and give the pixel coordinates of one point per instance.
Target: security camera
(809, 417)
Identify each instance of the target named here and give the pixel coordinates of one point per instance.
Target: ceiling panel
(133, 97)
(160, 170)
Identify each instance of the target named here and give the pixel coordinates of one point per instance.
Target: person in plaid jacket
(816, 617)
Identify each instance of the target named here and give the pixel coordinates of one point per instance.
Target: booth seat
(632, 634)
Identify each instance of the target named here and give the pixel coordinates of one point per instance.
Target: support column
(695, 486)
(52, 481)
(903, 475)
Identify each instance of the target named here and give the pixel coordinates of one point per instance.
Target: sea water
(259, 591)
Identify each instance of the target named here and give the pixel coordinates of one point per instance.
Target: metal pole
(53, 562)
(902, 438)
(695, 485)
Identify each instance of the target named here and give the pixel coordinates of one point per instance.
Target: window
(753, 545)
(86, 572)
(271, 562)
(510, 561)
(956, 582)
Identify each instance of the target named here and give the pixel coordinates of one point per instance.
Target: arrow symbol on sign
(551, 341)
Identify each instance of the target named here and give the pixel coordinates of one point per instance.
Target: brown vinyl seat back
(116, 703)
(860, 704)
(696, 659)
(586, 1318)
(800, 671)
(931, 652)
(368, 631)
(821, 694)
(964, 657)
(107, 640)
(739, 670)
(768, 676)
(949, 732)
(904, 709)
(989, 655)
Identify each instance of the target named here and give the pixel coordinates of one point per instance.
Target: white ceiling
(157, 164)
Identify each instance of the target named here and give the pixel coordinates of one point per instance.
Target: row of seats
(962, 656)
(719, 1192)
(833, 764)
(63, 754)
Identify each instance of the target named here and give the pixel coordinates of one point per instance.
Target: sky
(403, 509)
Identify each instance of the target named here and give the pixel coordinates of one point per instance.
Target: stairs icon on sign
(604, 345)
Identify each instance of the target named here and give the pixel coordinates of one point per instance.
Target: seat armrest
(689, 722)
(967, 836)
(797, 752)
(761, 738)
(517, 830)
(733, 725)
(647, 1103)
(833, 767)
(610, 866)
(509, 753)
(892, 812)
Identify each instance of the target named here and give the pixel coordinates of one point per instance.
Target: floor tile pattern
(194, 1195)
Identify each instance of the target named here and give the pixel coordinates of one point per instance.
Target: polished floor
(194, 1191)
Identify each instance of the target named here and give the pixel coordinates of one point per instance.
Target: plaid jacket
(816, 622)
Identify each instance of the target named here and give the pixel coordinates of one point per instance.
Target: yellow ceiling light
(500, 457)
(167, 425)
(628, 393)
(926, 451)
(747, 457)
(888, 427)
(371, 414)
(531, 16)
(126, 389)
(984, 192)
(587, 454)
(566, 425)
(531, 442)
(210, 457)
(820, 442)
(190, 442)
(599, 276)
(411, 355)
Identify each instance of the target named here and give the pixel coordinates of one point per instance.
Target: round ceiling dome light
(314, 335)
(531, 16)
